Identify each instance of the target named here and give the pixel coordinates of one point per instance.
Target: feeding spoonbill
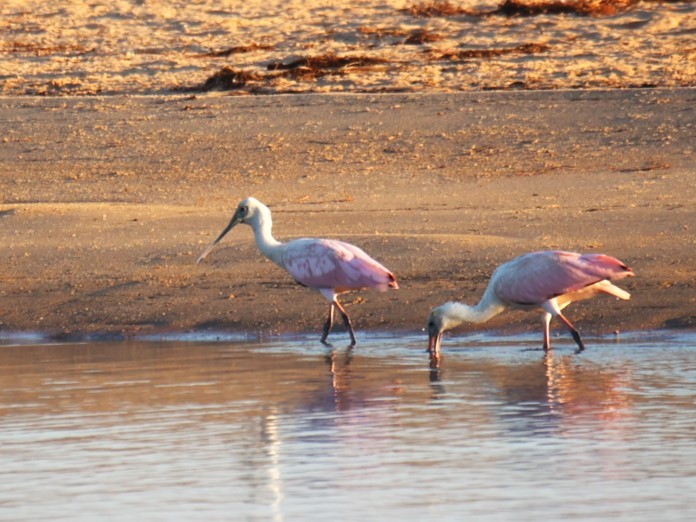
(547, 281)
(329, 266)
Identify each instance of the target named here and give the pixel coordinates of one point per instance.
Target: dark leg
(347, 322)
(573, 331)
(328, 324)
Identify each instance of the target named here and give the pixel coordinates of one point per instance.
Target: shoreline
(458, 338)
(341, 94)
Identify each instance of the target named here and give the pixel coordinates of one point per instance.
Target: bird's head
(439, 320)
(249, 211)
(435, 327)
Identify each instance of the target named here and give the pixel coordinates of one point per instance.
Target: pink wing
(326, 263)
(539, 276)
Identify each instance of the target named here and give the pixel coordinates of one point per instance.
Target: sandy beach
(68, 47)
(108, 201)
(441, 156)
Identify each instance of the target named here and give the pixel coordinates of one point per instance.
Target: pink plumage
(536, 277)
(331, 264)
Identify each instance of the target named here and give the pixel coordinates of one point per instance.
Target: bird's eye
(243, 210)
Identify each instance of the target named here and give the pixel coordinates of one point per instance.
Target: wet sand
(107, 201)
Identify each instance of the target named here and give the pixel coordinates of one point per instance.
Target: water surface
(293, 430)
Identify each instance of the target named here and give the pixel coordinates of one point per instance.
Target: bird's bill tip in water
(434, 339)
(434, 329)
(230, 226)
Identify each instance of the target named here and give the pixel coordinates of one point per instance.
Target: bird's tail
(383, 287)
(392, 282)
(611, 289)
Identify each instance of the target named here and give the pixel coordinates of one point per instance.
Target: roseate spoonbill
(329, 266)
(547, 281)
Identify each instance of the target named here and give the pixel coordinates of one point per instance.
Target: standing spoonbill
(547, 281)
(329, 266)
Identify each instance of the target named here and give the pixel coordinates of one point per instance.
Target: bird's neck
(268, 245)
(487, 307)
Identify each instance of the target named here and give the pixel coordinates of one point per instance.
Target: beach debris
(325, 61)
(400, 36)
(435, 8)
(44, 50)
(228, 78)
(304, 68)
(421, 36)
(577, 7)
(443, 8)
(463, 54)
(237, 49)
(371, 62)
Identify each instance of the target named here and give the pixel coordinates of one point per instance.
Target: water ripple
(289, 429)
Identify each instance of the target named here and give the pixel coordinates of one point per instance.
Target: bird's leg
(547, 335)
(347, 322)
(328, 324)
(573, 331)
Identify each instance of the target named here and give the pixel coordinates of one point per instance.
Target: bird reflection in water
(435, 375)
(544, 395)
(340, 377)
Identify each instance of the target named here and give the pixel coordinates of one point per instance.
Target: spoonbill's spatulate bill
(547, 281)
(329, 266)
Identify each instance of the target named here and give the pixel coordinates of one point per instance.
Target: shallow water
(292, 430)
